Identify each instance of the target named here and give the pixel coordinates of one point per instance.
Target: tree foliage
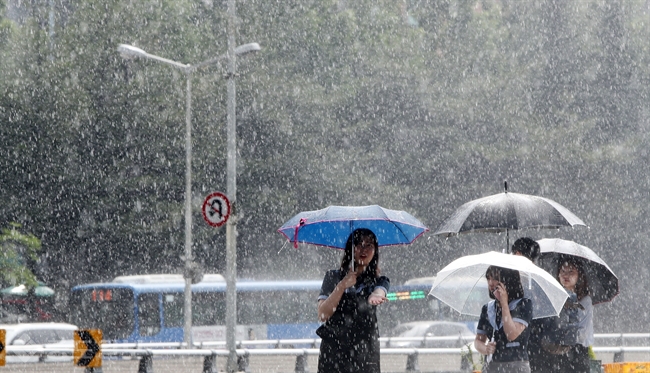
(16, 250)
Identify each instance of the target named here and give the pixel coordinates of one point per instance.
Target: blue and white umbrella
(332, 225)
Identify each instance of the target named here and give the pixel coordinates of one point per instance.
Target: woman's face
(364, 252)
(568, 276)
(492, 283)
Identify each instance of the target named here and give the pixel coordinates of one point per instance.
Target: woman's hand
(483, 346)
(349, 280)
(327, 307)
(500, 293)
(377, 297)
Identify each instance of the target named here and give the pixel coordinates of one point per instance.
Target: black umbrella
(507, 211)
(601, 280)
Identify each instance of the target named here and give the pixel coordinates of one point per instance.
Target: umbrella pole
(507, 242)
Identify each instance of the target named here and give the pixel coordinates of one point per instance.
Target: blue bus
(149, 308)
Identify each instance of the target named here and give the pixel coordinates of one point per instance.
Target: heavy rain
(413, 105)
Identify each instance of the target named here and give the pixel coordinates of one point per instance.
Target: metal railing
(291, 348)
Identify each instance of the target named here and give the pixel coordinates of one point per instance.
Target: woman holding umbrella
(589, 281)
(502, 329)
(580, 327)
(347, 305)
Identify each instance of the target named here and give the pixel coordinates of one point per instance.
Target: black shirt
(491, 325)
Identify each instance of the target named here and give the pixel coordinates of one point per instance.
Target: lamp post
(129, 51)
(231, 190)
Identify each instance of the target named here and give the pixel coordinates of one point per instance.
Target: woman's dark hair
(355, 238)
(509, 278)
(582, 286)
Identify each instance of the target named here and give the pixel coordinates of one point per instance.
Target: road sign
(216, 209)
(3, 352)
(87, 348)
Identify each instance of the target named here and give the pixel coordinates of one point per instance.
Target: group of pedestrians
(513, 342)
(506, 333)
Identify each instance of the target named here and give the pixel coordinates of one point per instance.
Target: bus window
(406, 303)
(286, 307)
(173, 304)
(149, 314)
(208, 309)
(110, 310)
(293, 307)
(252, 308)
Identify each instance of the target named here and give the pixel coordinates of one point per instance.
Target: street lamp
(129, 51)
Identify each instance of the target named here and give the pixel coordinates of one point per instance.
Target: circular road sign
(216, 209)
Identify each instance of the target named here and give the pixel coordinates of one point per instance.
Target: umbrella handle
(295, 232)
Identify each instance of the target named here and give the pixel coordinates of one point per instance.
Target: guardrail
(286, 347)
(620, 338)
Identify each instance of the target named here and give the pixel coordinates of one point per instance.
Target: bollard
(146, 364)
(465, 363)
(242, 363)
(210, 363)
(301, 364)
(619, 357)
(412, 364)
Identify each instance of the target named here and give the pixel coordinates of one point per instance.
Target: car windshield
(448, 330)
(419, 330)
(409, 330)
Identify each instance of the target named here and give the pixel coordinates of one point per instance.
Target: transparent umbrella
(462, 284)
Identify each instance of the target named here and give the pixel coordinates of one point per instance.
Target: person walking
(564, 340)
(502, 332)
(347, 305)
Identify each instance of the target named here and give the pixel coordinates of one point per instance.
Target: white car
(38, 334)
(457, 334)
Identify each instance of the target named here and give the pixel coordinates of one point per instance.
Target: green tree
(16, 250)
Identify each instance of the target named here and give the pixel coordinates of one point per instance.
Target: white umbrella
(462, 284)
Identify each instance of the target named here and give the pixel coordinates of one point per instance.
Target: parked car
(421, 329)
(38, 334)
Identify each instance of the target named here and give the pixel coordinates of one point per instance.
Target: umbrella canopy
(332, 225)
(22, 291)
(602, 282)
(462, 284)
(507, 211)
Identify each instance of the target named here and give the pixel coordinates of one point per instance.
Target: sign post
(87, 348)
(216, 209)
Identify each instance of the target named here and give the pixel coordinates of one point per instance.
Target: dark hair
(582, 286)
(355, 238)
(527, 247)
(509, 278)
